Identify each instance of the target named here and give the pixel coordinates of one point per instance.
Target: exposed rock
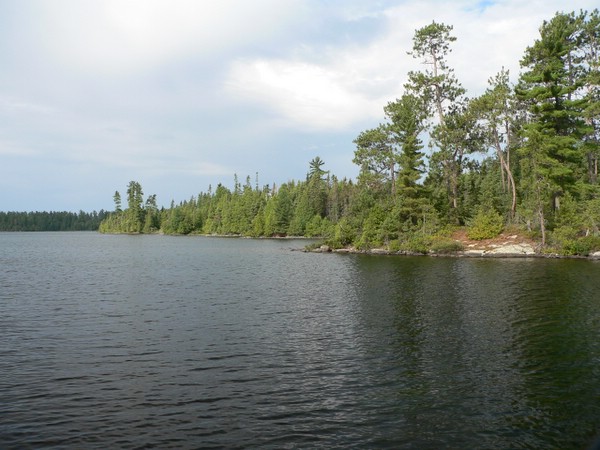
(502, 246)
(513, 249)
(474, 252)
(379, 251)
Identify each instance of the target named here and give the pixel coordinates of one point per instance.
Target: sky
(182, 94)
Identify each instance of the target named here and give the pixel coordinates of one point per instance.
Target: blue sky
(180, 94)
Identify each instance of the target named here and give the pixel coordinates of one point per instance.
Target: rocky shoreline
(500, 252)
(504, 246)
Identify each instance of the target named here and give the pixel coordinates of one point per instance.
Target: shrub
(487, 224)
(416, 244)
(394, 245)
(313, 246)
(343, 234)
(580, 246)
(314, 227)
(446, 245)
(562, 234)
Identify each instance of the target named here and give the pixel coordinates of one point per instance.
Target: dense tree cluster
(520, 155)
(305, 208)
(51, 221)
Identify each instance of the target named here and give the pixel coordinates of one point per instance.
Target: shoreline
(457, 254)
(499, 252)
(512, 247)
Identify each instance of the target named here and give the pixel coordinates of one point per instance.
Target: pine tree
(439, 89)
(375, 156)
(117, 200)
(499, 114)
(549, 87)
(407, 116)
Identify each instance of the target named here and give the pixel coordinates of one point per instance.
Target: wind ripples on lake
(190, 342)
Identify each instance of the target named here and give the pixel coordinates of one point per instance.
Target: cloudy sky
(180, 94)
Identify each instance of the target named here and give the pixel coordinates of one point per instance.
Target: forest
(521, 156)
(51, 221)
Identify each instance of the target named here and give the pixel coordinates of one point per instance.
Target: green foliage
(443, 245)
(51, 221)
(315, 170)
(415, 243)
(344, 234)
(498, 113)
(258, 224)
(553, 87)
(371, 235)
(537, 147)
(486, 224)
(117, 200)
(590, 216)
(564, 233)
(566, 242)
(319, 227)
(134, 214)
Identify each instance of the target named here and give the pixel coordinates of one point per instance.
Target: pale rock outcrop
(513, 249)
(474, 252)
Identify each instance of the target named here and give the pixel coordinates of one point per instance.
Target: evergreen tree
(152, 220)
(375, 156)
(498, 111)
(135, 210)
(589, 47)
(438, 88)
(315, 168)
(539, 144)
(407, 116)
(279, 211)
(117, 200)
(549, 87)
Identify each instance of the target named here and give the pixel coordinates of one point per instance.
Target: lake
(113, 341)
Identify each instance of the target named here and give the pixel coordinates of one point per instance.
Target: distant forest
(51, 221)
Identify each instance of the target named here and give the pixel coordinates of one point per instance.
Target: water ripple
(163, 342)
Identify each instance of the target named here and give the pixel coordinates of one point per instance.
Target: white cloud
(301, 93)
(337, 87)
(116, 36)
(10, 147)
(11, 105)
(190, 91)
(490, 35)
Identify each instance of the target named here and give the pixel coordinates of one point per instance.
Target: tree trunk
(505, 167)
(393, 178)
(511, 179)
(540, 211)
(500, 158)
(453, 179)
(542, 225)
(438, 91)
(592, 168)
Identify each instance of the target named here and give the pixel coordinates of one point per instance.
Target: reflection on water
(488, 353)
(141, 341)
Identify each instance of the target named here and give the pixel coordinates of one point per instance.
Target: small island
(443, 171)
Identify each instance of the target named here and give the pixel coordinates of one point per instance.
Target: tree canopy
(521, 155)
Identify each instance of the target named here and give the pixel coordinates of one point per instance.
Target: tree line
(51, 221)
(521, 155)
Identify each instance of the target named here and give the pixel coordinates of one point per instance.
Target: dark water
(189, 342)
